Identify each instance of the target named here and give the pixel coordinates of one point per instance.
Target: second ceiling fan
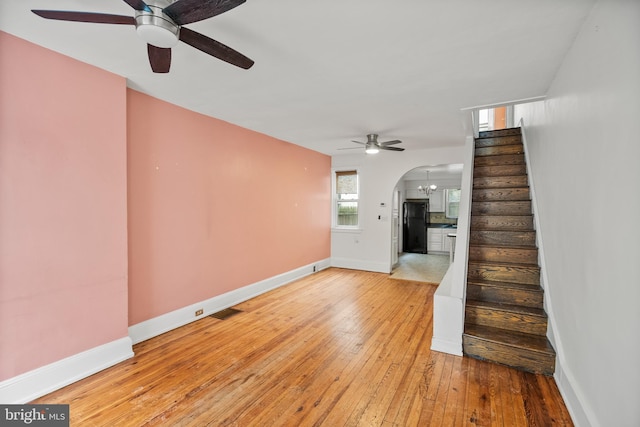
(372, 145)
(160, 24)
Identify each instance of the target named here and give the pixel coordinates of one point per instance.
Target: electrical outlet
(199, 312)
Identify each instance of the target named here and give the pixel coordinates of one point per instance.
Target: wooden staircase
(505, 321)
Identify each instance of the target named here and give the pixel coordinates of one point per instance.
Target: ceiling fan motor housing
(155, 27)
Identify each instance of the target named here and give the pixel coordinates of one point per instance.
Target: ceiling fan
(372, 145)
(160, 24)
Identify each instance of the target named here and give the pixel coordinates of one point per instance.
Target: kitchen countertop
(437, 225)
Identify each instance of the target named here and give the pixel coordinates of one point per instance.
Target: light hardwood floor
(337, 348)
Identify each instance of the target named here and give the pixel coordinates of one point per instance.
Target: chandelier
(427, 189)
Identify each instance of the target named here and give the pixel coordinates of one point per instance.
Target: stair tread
(514, 229)
(530, 342)
(496, 306)
(522, 286)
(486, 138)
(505, 264)
(503, 188)
(500, 160)
(503, 246)
(513, 202)
(501, 216)
(499, 132)
(487, 235)
(489, 177)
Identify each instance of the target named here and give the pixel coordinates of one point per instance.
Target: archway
(420, 223)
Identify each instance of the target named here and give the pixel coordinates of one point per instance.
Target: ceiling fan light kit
(373, 146)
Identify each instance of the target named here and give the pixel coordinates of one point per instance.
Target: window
(346, 199)
(452, 203)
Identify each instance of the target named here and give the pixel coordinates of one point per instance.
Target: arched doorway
(421, 196)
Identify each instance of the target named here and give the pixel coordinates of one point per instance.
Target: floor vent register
(226, 313)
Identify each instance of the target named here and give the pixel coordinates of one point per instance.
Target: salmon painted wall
(214, 207)
(63, 224)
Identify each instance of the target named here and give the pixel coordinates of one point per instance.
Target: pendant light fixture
(427, 189)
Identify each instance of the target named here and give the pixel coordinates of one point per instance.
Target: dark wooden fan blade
(95, 18)
(214, 48)
(187, 11)
(382, 147)
(138, 5)
(159, 58)
(395, 141)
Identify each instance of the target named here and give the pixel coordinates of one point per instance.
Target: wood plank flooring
(337, 348)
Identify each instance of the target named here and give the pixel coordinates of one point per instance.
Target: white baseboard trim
(356, 264)
(33, 384)
(573, 398)
(449, 347)
(158, 325)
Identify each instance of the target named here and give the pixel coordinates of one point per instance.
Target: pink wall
(63, 224)
(214, 207)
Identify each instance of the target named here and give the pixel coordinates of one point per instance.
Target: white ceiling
(327, 72)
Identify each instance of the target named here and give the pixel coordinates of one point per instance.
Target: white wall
(370, 247)
(584, 148)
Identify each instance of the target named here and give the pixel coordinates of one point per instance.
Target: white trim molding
(46, 379)
(33, 384)
(358, 264)
(182, 316)
(505, 103)
(573, 397)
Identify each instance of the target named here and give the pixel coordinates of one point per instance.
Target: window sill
(353, 230)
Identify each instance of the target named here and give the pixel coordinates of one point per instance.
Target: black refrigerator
(414, 230)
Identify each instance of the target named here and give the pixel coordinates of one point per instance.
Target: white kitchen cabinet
(435, 241)
(436, 201)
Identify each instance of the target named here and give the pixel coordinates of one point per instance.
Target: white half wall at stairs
(449, 298)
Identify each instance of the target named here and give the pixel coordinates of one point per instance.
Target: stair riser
(500, 149)
(501, 208)
(526, 360)
(507, 170)
(505, 223)
(501, 194)
(520, 322)
(504, 295)
(499, 254)
(498, 140)
(499, 132)
(506, 238)
(501, 273)
(500, 160)
(500, 182)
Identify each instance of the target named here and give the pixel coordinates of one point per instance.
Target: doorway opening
(495, 118)
(422, 222)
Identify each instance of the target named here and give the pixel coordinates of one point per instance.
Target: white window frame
(334, 200)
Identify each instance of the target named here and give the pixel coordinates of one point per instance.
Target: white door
(395, 228)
